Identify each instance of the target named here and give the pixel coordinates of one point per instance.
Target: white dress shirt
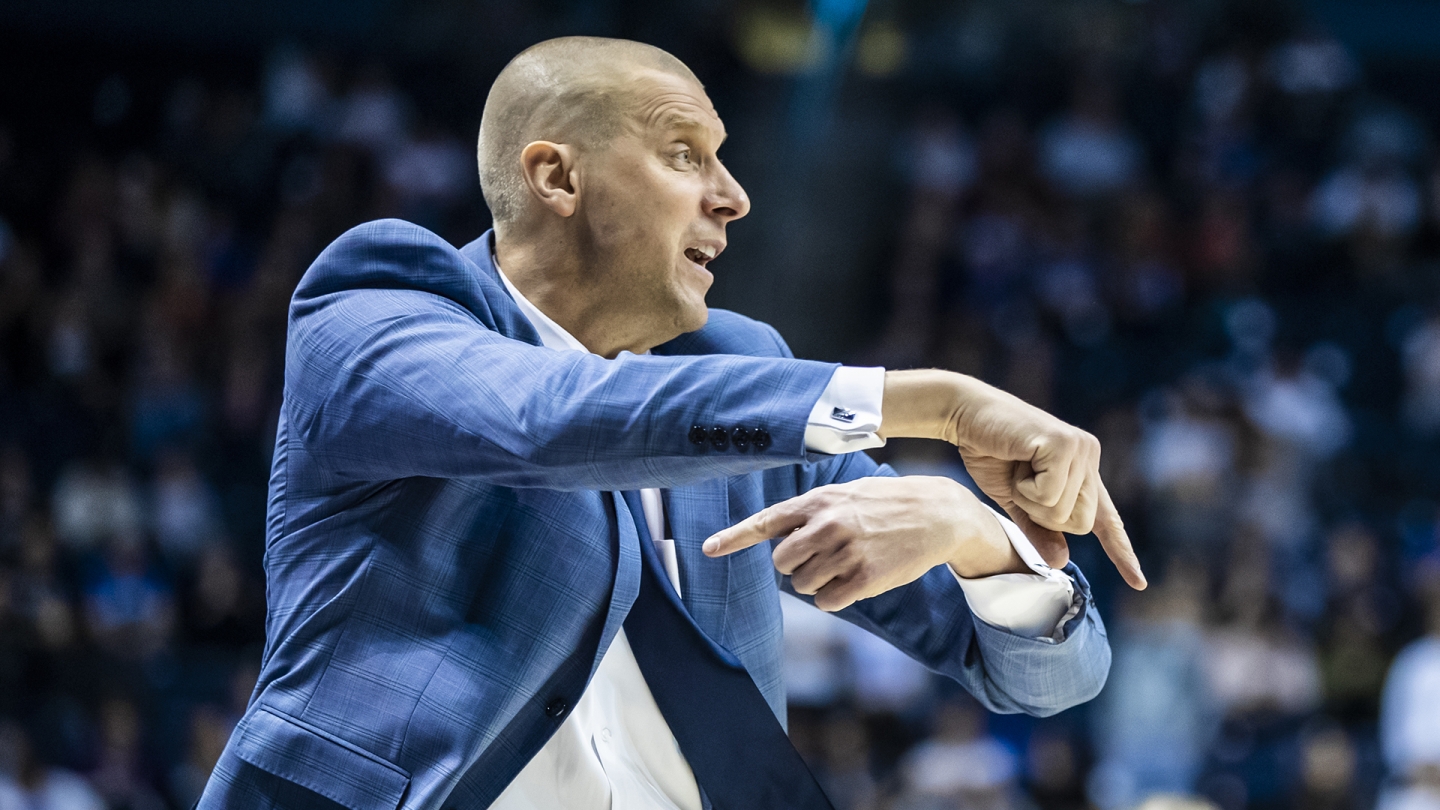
(615, 750)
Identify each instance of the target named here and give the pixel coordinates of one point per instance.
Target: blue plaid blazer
(446, 560)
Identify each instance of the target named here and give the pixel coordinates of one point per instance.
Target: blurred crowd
(1208, 241)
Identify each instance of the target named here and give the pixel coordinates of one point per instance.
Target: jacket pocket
(312, 758)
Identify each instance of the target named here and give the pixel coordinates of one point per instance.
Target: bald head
(573, 90)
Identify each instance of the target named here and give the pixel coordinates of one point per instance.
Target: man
(517, 544)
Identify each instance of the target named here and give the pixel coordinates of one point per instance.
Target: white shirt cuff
(1032, 605)
(846, 418)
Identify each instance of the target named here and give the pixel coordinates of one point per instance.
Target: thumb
(1052, 545)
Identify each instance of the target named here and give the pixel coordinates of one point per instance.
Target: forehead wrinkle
(674, 111)
(665, 101)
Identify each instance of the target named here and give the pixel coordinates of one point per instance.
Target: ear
(547, 168)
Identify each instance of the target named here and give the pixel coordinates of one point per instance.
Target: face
(656, 200)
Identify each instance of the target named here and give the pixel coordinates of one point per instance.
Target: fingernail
(710, 545)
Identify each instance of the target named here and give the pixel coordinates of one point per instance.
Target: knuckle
(761, 522)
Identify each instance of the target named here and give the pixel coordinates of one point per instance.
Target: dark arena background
(1206, 231)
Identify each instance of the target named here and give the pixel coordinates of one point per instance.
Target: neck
(573, 292)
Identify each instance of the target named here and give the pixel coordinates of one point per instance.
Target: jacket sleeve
(394, 369)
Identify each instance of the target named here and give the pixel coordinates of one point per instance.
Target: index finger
(773, 521)
(1110, 531)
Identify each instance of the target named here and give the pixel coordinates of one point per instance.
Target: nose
(727, 200)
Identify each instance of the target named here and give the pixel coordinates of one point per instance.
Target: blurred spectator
(941, 169)
(223, 607)
(129, 607)
(26, 783)
(93, 501)
(960, 765)
(814, 658)
(1187, 459)
(1255, 663)
(183, 510)
(883, 679)
(1156, 718)
(1328, 765)
(1298, 404)
(372, 114)
(1311, 64)
(40, 592)
(1363, 612)
(431, 166)
(1421, 354)
(1381, 200)
(1410, 712)
(296, 98)
(1089, 151)
(1174, 802)
(120, 774)
(166, 405)
(429, 172)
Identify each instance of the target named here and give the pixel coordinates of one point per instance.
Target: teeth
(704, 251)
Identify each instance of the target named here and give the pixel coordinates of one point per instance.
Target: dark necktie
(738, 751)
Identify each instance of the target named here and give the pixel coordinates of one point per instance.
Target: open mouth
(701, 254)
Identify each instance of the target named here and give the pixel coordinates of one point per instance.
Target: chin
(692, 318)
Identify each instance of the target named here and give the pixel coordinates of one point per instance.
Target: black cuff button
(698, 434)
(719, 438)
(557, 708)
(740, 437)
(760, 437)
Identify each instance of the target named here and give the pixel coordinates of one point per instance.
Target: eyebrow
(679, 120)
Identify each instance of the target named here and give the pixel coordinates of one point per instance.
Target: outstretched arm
(396, 366)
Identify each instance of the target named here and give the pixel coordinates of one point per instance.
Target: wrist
(922, 404)
(983, 548)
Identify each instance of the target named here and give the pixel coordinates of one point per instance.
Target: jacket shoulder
(727, 332)
(391, 254)
(388, 253)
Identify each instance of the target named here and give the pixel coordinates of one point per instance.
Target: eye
(683, 154)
